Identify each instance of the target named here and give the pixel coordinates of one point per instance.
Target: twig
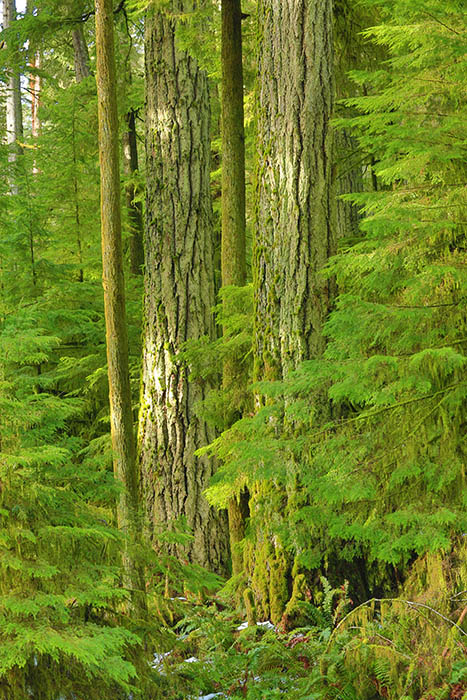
(410, 603)
(371, 414)
(442, 23)
(459, 623)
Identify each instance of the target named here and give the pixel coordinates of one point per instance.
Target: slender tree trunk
(114, 301)
(134, 207)
(81, 55)
(130, 167)
(233, 220)
(348, 179)
(295, 221)
(35, 91)
(14, 119)
(34, 84)
(233, 147)
(82, 71)
(79, 244)
(179, 292)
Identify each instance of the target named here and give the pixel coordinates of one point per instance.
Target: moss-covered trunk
(179, 293)
(121, 416)
(233, 221)
(233, 147)
(295, 219)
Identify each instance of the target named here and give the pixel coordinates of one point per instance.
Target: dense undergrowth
(404, 648)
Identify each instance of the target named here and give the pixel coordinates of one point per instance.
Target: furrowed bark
(295, 232)
(81, 55)
(179, 294)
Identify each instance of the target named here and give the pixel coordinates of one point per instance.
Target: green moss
(278, 588)
(249, 601)
(258, 566)
(298, 609)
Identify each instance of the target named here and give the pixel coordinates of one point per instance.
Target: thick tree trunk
(179, 293)
(295, 227)
(233, 220)
(134, 207)
(121, 417)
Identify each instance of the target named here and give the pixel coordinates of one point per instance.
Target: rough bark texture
(295, 230)
(179, 293)
(134, 208)
(233, 220)
(121, 418)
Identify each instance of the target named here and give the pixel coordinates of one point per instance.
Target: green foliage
(59, 572)
(205, 359)
(402, 648)
(63, 628)
(385, 477)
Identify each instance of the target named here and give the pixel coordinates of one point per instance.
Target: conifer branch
(425, 306)
(379, 411)
(451, 29)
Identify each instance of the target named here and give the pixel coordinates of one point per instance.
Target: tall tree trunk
(82, 71)
(35, 92)
(233, 220)
(34, 84)
(121, 417)
(134, 207)
(295, 231)
(14, 119)
(179, 292)
(295, 219)
(233, 147)
(80, 52)
(76, 197)
(348, 179)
